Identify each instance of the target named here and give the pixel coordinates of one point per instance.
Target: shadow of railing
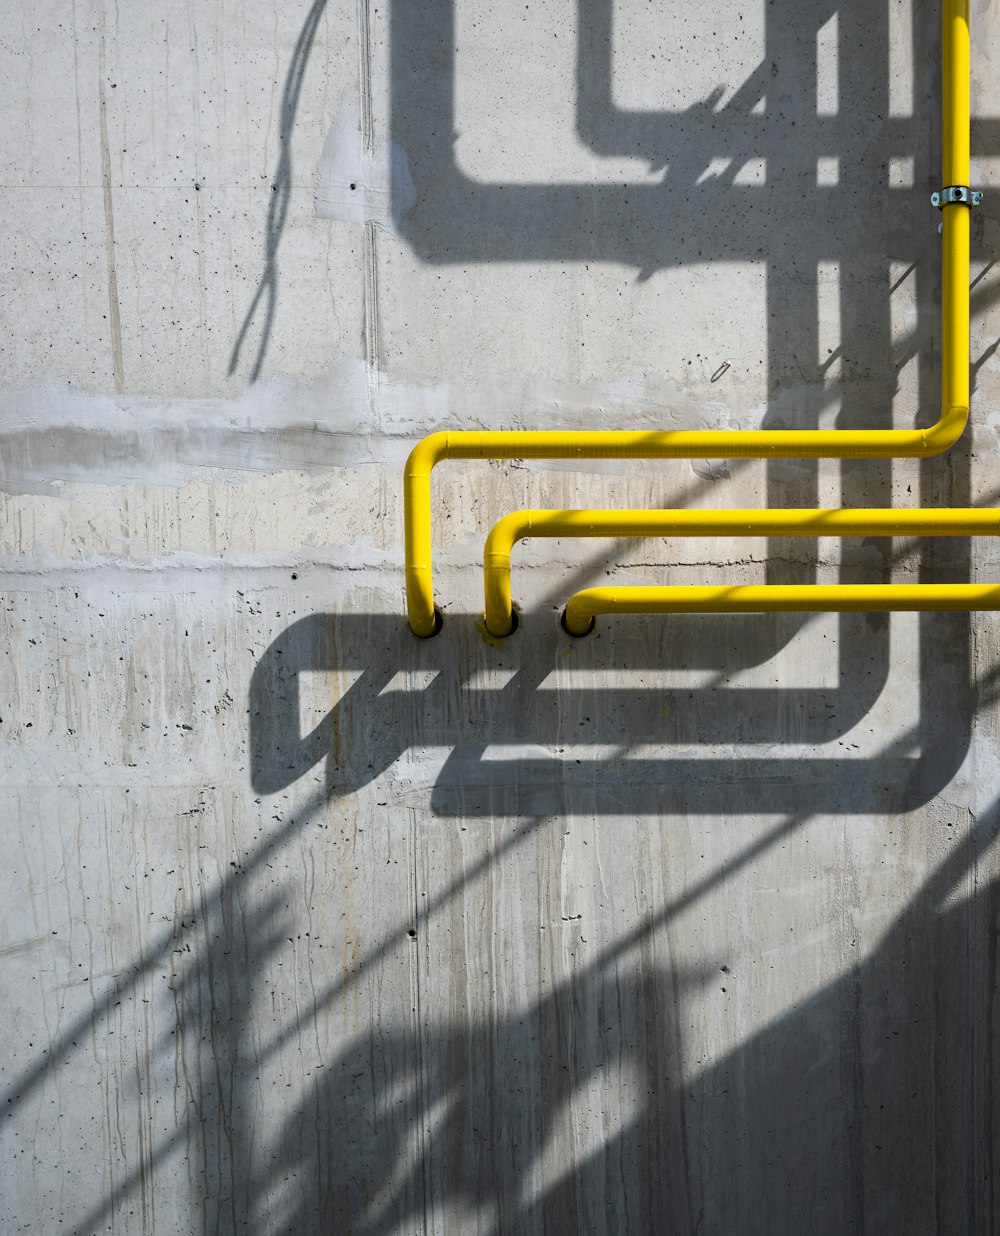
(867, 1105)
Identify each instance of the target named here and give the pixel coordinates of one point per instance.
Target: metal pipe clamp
(956, 195)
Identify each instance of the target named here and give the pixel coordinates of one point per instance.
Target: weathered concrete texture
(312, 927)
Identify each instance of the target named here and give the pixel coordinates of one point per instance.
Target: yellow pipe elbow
(418, 548)
(583, 608)
(709, 444)
(499, 615)
(945, 521)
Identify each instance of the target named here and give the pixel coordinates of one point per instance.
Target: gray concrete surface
(311, 927)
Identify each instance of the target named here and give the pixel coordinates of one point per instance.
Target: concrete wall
(311, 927)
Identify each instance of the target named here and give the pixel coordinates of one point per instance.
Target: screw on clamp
(956, 195)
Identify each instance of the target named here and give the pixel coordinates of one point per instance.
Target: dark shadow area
(885, 1070)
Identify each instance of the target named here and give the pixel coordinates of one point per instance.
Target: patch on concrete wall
(51, 433)
(357, 184)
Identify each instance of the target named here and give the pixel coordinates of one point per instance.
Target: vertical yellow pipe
(423, 617)
(955, 218)
(956, 91)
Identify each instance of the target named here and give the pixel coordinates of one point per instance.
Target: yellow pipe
(583, 608)
(956, 92)
(761, 443)
(956, 105)
(947, 521)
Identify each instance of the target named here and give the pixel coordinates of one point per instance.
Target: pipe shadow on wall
(867, 1107)
(536, 691)
(788, 218)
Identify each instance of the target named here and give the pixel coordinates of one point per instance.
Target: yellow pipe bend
(583, 607)
(766, 443)
(946, 521)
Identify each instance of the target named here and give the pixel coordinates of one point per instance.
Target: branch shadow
(266, 293)
(867, 1106)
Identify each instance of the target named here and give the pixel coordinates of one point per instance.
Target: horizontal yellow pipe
(583, 607)
(947, 521)
(762, 443)
(672, 444)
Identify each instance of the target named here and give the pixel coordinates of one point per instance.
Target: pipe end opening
(494, 635)
(438, 624)
(576, 634)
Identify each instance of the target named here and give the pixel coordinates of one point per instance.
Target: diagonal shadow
(867, 1106)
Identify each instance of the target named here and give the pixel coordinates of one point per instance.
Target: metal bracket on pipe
(956, 195)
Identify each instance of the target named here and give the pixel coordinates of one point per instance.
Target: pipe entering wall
(764, 444)
(946, 521)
